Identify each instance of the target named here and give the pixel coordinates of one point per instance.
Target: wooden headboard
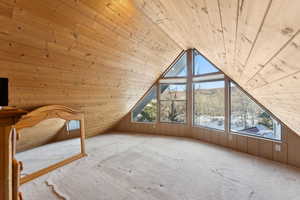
(53, 115)
(48, 121)
(47, 112)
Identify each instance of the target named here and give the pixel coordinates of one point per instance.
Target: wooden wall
(255, 42)
(290, 147)
(100, 56)
(96, 56)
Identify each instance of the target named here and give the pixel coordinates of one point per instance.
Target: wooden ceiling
(96, 56)
(255, 42)
(100, 56)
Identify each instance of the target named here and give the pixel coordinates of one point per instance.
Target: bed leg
(17, 168)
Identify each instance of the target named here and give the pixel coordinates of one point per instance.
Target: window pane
(249, 118)
(173, 103)
(209, 104)
(179, 69)
(173, 111)
(202, 65)
(172, 91)
(73, 125)
(146, 110)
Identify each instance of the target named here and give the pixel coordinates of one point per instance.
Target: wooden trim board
(44, 171)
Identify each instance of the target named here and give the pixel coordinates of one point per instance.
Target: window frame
(193, 105)
(260, 106)
(186, 102)
(73, 129)
(189, 80)
(163, 76)
(157, 112)
(207, 74)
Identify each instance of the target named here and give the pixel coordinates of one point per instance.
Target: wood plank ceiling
(255, 42)
(100, 56)
(96, 56)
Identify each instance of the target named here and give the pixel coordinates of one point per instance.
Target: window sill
(152, 123)
(256, 137)
(207, 128)
(176, 123)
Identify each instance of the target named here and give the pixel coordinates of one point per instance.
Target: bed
(44, 140)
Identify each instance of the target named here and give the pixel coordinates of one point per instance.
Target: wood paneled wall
(96, 56)
(255, 146)
(100, 56)
(255, 42)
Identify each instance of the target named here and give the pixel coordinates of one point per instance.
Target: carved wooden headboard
(47, 112)
(35, 119)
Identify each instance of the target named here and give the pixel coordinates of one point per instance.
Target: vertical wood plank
(266, 149)
(242, 143)
(232, 140)
(253, 146)
(293, 141)
(2, 163)
(282, 155)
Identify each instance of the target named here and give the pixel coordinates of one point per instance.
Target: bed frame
(31, 119)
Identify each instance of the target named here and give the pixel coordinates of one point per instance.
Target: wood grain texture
(7, 136)
(2, 167)
(101, 56)
(255, 42)
(98, 57)
(289, 147)
(47, 118)
(46, 125)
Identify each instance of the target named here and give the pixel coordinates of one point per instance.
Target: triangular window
(214, 101)
(247, 117)
(179, 68)
(146, 109)
(202, 66)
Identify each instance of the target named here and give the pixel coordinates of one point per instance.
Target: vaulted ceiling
(255, 42)
(97, 56)
(100, 56)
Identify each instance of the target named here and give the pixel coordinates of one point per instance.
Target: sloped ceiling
(100, 56)
(97, 56)
(255, 42)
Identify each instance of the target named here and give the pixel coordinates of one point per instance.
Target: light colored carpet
(143, 167)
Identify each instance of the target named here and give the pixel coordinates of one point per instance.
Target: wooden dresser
(7, 118)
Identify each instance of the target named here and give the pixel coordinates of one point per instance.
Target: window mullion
(158, 103)
(190, 87)
(227, 105)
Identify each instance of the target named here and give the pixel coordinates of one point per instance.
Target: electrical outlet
(278, 147)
